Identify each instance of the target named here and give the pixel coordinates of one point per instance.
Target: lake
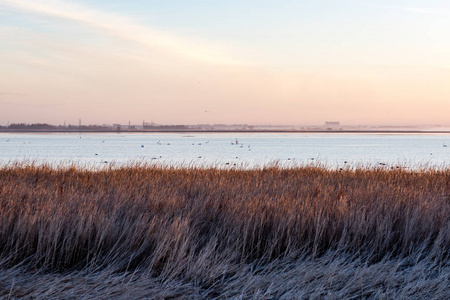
(228, 149)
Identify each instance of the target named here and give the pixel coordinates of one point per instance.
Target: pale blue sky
(281, 31)
(292, 62)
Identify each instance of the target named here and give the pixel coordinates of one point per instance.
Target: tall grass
(154, 231)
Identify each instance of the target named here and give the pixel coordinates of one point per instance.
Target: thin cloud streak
(427, 11)
(126, 29)
(33, 105)
(11, 94)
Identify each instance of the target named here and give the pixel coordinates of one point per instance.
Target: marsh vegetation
(146, 231)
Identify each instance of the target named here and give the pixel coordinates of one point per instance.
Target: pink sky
(69, 61)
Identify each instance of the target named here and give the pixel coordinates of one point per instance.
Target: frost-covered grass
(146, 231)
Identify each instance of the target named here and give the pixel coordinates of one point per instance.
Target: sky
(230, 62)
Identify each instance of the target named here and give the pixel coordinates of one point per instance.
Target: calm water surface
(221, 149)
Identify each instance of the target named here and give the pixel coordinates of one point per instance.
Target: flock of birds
(235, 143)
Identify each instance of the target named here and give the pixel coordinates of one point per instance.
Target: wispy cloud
(11, 94)
(427, 11)
(126, 29)
(32, 105)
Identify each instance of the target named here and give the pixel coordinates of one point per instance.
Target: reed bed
(147, 231)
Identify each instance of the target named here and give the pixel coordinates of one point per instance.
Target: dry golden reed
(146, 231)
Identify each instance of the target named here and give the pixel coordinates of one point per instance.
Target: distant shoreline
(231, 131)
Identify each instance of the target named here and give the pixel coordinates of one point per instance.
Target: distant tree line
(165, 127)
(88, 127)
(45, 126)
(115, 127)
(31, 126)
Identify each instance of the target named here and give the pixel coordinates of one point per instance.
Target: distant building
(332, 125)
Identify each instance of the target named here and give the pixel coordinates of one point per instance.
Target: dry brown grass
(155, 232)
